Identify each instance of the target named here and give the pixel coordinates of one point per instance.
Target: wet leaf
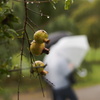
(55, 1)
(67, 4)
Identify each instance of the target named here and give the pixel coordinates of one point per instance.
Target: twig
(20, 30)
(33, 1)
(41, 84)
(16, 70)
(23, 39)
(30, 26)
(22, 48)
(26, 23)
(20, 73)
(39, 13)
(32, 22)
(33, 11)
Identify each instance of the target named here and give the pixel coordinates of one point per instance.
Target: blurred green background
(83, 17)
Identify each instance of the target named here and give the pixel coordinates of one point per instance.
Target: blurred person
(63, 59)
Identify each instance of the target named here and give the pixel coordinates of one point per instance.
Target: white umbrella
(73, 48)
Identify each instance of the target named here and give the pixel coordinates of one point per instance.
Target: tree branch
(45, 1)
(39, 13)
(30, 26)
(22, 48)
(33, 22)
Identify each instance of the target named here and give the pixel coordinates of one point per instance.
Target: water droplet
(2, 2)
(32, 2)
(7, 2)
(27, 2)
(12, 10)
(8, 76)
(10, 58)
(48, 16)
(54, 7)
(40, 10)
(41, 14)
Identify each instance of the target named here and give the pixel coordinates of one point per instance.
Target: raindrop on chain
(7, 2)
(10, 58)
(27, 2)
(40, 11)
(48, 16)
(32, 2)
(2, 2)
(72, 1)
(8, 76)
(54, 7)
(41, 14)
(39, 2)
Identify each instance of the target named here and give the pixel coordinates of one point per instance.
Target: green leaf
(1, 35)
(8, 32)
(0, 9)
(12, 18)
(9, 35)
(11, 31)
(3, 71)
(15, 19)
(67, 4)
(55, 1)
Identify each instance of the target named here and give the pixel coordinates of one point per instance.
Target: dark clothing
(71, 78)
(64, 94)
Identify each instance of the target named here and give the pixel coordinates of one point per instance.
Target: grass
(93, 55)
(93, 77)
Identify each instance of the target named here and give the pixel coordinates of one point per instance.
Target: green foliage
(4, 66)
(87, 20)
(91, 63)
(55, 1)
(66, 24)
(5, 94)
(7, 18)
(66, 5)
(16, 61)
(7, 32)
(82, 17)
(91, 79)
